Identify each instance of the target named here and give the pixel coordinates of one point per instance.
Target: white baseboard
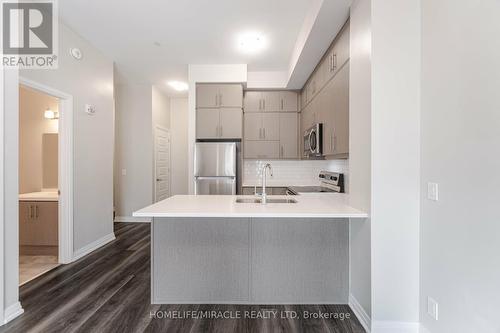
(12, 312)
(396, 327)
(93, 246)
(360, 313)
(132, 219)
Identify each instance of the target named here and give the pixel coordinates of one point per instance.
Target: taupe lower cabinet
(38, 223)
(219, 113)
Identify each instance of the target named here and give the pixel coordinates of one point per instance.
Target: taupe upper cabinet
(325, 97)
(289, 101)
(219, 95)
(219, 123)
(271, 101)
(288, 135)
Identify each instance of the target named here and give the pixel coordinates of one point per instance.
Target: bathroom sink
(269, 201)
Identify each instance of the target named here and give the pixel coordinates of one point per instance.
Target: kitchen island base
(215, 260)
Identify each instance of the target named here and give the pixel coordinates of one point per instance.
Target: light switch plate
(433, 191)
(90, 109)
(124, 172)
(432, 308)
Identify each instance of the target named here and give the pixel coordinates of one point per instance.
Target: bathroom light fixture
(251, 42)
(49, 114)
(178, 85)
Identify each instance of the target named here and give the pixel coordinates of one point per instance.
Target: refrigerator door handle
(209, 178)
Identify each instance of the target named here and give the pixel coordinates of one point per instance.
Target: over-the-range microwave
(313, 141)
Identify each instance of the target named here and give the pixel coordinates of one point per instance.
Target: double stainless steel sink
(269, 200)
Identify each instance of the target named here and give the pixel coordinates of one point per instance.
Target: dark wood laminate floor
(109, 291)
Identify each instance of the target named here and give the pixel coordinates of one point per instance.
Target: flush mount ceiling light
(251, 42)
(178, 85)
(49, 114)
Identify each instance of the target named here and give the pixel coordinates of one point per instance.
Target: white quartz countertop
(39, 196)
(307, 206)
(278, 183)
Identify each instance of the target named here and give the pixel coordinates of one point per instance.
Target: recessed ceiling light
(251, 42)
(178, 85)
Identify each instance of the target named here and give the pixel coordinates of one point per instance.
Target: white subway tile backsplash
(287, 173)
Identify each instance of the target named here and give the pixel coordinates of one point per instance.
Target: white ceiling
(189, 32)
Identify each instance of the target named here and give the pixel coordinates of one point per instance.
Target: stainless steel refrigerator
(217, 168)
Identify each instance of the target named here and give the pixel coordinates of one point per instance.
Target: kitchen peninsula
(213, 249)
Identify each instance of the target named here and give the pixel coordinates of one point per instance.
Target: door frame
(65, 165)
(169, 175)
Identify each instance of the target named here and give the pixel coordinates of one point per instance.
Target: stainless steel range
(330, 182)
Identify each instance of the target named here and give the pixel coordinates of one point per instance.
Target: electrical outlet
(432, 308)
(432, 191)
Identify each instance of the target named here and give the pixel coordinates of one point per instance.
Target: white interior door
(162, 164)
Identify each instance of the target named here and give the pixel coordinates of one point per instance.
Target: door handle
(159, 179)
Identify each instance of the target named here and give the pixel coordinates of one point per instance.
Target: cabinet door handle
(260, 104)
(221, 131)
(282, 105)
(281, 153)
(220, 99)
(332, 141)
(264, 104)
(30, 212)
(334, 61)
(264, 132)
(36, 211)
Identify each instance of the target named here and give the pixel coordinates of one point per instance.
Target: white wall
(231, 73)
(89, 81)
(160, 108)
(134, 148)
(139, 109)
(460, 138)
(10, 190)
(396, 59)
(360, 151)
(179, 145)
